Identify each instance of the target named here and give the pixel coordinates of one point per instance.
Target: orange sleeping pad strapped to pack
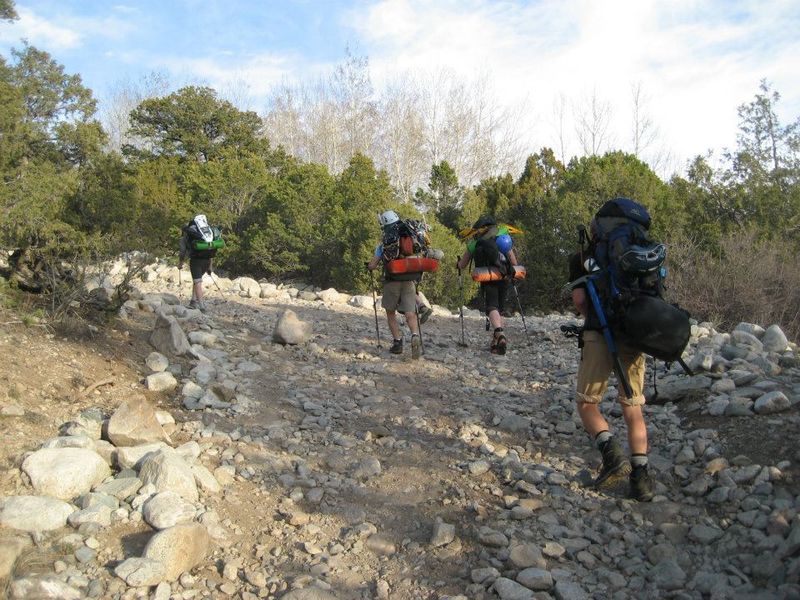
(484, 274)
(412, 264)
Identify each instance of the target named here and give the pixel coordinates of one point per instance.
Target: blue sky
(695, 60)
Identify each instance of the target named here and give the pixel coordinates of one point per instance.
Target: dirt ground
(54, 374)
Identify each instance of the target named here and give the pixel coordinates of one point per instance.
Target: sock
(601, 438)
(639, 460)
(414, 334)
(498, 330)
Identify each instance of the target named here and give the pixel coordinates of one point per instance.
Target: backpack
(203, 240)
(487, 254)
(632, 281)
(408, 237)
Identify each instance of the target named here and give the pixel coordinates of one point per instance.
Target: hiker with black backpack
(616, 285)
(200, 242)
(403, 253)
(491, 248)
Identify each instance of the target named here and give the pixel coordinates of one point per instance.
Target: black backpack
(632, 281)
(487, 254)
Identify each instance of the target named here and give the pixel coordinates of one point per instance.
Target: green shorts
(597, 365)
(399, 296)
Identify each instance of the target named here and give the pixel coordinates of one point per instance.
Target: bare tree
(123, 97)
(643, 131)
(417, 121)
(400, 137)
(560, 114)
(592, 119)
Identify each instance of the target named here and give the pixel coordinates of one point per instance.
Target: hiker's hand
(209, 271)
(180, 265)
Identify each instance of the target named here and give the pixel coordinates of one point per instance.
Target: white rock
(65, 473)
(161, 382)
(771, 402)
(167, 509)
(167, 471)
(178, 548)
(291, 330)
(134, 422)
(156, 362)
(34, 513)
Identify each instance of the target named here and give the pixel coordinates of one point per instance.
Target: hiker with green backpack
(200, 242)
(490, 247)
(616, 286)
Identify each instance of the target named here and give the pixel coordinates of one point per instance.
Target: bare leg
(411, 320)
(197, 290)
(592, 419)
(637, 430)
(391, 318)
(495, 318)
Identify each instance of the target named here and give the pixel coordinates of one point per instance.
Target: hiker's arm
(581, 301)
(512, 258)
(464, 260)
(373, 263)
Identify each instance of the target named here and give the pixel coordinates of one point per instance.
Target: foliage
(66, 201)
(745, 279)
(194, 125)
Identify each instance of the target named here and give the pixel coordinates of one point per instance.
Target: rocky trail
(176, 454)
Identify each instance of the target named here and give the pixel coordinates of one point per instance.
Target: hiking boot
(194, 305)
(416, 346)
(425, 314)
(641, 484)
(615, 466)
(397, 347)
(202, 305)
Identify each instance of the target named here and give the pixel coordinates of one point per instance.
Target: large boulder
(65, 473)
(168, 471)
(178, 548)
(774, 339)
(135, 423)
(34, 513)
(168, 337)
(291, 330)
(249, 286)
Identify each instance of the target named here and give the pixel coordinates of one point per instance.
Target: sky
(694, 61)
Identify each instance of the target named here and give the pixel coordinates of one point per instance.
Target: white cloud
(697, 61)
(64, 32)
(260, 73)
(39, 32)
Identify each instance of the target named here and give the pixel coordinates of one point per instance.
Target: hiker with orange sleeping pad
(490, 247)
(404, 254)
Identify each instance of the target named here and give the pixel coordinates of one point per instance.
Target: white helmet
(387, 218)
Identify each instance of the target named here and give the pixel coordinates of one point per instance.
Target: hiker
(399, 288)
(597, 364)
(491, 248)
(200, 243)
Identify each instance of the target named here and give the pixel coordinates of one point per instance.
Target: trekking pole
(521, 314)
(463, 343)
(180, 285)
(419, 324)
(612, 347)
(375, 308)
(219, 289)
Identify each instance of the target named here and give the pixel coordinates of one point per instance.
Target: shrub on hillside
(747, 279)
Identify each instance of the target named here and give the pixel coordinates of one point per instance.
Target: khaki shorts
(399, 296)
(597, 365)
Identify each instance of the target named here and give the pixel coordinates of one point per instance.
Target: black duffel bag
(655, 327)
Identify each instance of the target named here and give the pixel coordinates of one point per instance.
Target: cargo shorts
(597, 365)
(399, 296)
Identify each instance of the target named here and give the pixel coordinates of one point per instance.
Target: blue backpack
(633, 281)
